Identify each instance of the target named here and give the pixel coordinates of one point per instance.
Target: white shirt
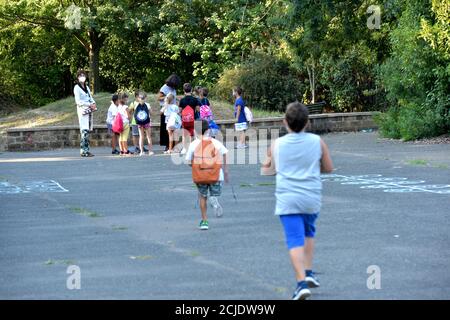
(122, 109)
(112, 111)
(297, 163)
(168, 110)
(82, 98)
(217, 144)
(165, 89)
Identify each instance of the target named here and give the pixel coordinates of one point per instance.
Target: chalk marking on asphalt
(395, 186)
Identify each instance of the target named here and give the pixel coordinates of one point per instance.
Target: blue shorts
(297, 227)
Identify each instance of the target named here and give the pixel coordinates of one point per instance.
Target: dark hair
(297, 116)
(204, 92)
(136, 93)
(187, 87)
(238, 90)
(115, 97)
(173, 81)
(80, 72)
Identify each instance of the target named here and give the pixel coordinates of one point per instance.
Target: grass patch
(119, 228)
(145, 257)
(280, 290)
(441, 166)
(246, 185)
(260, 184)
(50, 262)
(264, 184)
(194, 254)
(417, 162)
(85, 212)
(63, 112)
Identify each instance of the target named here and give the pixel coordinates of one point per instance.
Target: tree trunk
(312, 81)
(94, 58)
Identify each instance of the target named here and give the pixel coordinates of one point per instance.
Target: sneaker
(150, 153)
(302, 292)
(145, 149)
(115, 151)
(183, 151)
(203, 225)
(218, 210)
(311, 280)
(87, 155)
(137, 150)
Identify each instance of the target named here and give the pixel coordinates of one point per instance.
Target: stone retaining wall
(35, 139)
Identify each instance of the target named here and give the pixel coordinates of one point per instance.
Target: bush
(416, 77)
(350, 80)
(268, 83)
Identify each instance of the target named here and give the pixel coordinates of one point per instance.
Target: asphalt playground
(130, 225)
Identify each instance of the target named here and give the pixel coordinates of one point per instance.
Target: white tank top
(297, 162)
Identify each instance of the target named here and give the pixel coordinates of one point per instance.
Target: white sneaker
(150, 153)
(218, 210)
(183, 151)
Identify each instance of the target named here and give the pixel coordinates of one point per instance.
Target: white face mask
(82, 79)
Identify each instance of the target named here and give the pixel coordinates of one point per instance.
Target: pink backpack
(205, 112)
(117, 125)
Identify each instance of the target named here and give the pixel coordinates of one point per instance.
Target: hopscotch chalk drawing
(31, 187)
(393, 184)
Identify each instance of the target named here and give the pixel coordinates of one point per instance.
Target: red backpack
(187, 115)
(117, 125)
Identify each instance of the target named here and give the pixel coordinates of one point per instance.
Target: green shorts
(215, 190)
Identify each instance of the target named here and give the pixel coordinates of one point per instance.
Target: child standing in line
(207, 157)
(297, 159)
(112, 111)
(133, 124)
(190, 107)
(125, 113)
(241, 121)
(143, 121)
(173, 120)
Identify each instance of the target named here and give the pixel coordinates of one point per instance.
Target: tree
(88, 21)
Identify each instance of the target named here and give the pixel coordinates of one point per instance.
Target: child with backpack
(126, 116)
(297, 159)
(207, 157)
(112, 112)
(189, 106)
(206, 112)
(143, 121)
(173, 119)
(241, 124)
(133, 125)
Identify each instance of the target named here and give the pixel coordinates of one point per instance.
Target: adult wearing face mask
(85, 107)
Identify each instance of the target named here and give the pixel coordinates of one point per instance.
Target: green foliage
(269, 83)
(350, 79)
(416, 75)
(277, 50)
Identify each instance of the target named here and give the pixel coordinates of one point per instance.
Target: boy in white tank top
(297, 159)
